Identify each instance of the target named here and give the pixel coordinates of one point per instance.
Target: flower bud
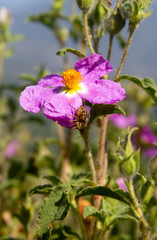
(128, 158)
(62, 34)
(58, 5)
(99, 12)
(84, 5)
(115, 22)
(126, 9)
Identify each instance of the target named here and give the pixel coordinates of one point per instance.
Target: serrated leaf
(104, 109)
(147, 84)
(55, 180)
(102, 191)
(92, 211)
(63, 51)
(41, 189)
(55, 207)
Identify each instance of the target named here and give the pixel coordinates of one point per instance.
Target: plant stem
(102, 157)
(85, 136)
(86, 32)
(101, 150)
(138, 212)
(110, 46)
(125, 53)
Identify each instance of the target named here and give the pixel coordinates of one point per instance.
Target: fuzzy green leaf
(147, 84)
(102, 191)
(41, 189)
(104, 109)
(55, 180)
(147, 191)
(63, 51)
(55, 207)
(122, 218)
(92, 211)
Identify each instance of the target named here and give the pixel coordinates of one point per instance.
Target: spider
(80, 120)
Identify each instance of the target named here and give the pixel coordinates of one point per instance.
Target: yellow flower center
(71, 80)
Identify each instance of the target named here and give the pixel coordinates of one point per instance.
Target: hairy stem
(138, 212)
(85, 136)
(102, 157)
(87, 33)
(125, 53)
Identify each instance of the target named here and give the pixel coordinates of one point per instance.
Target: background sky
(40, 45)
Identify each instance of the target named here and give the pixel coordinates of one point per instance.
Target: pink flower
(4, 15)
(146, 140)
(122, 121)
(61, 96)
(121, 184)
(11, 149)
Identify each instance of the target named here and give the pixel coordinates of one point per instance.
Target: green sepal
(102, 191)
(104, 109)
(147, 84)
(63, 51)
(55, 207)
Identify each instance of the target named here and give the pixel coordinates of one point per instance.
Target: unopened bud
(99, 12)
(84, 5)
(115, 22)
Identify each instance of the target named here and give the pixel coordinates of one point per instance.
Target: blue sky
(40, 45)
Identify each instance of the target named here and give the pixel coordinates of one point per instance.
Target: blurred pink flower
(11, 149)
(146, 140)
(122, 121)
(121, 184)
(4, 15)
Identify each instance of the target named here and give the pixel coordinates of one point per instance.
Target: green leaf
(63, 51)
(55, 180)
(147, 192)
(147, 84)
(46, 18)
(102, 191)
(24, 216)
(92, 211)
(55, 207)
(125, 195)
(104, 109)
(41, 189)
(122, 218)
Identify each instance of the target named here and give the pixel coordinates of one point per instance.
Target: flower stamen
(72, 79)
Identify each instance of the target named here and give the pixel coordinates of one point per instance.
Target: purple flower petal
(33, 98)
(102, 91)
(93, 67)
(62, 108)
(122, 121)
(52, 80)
